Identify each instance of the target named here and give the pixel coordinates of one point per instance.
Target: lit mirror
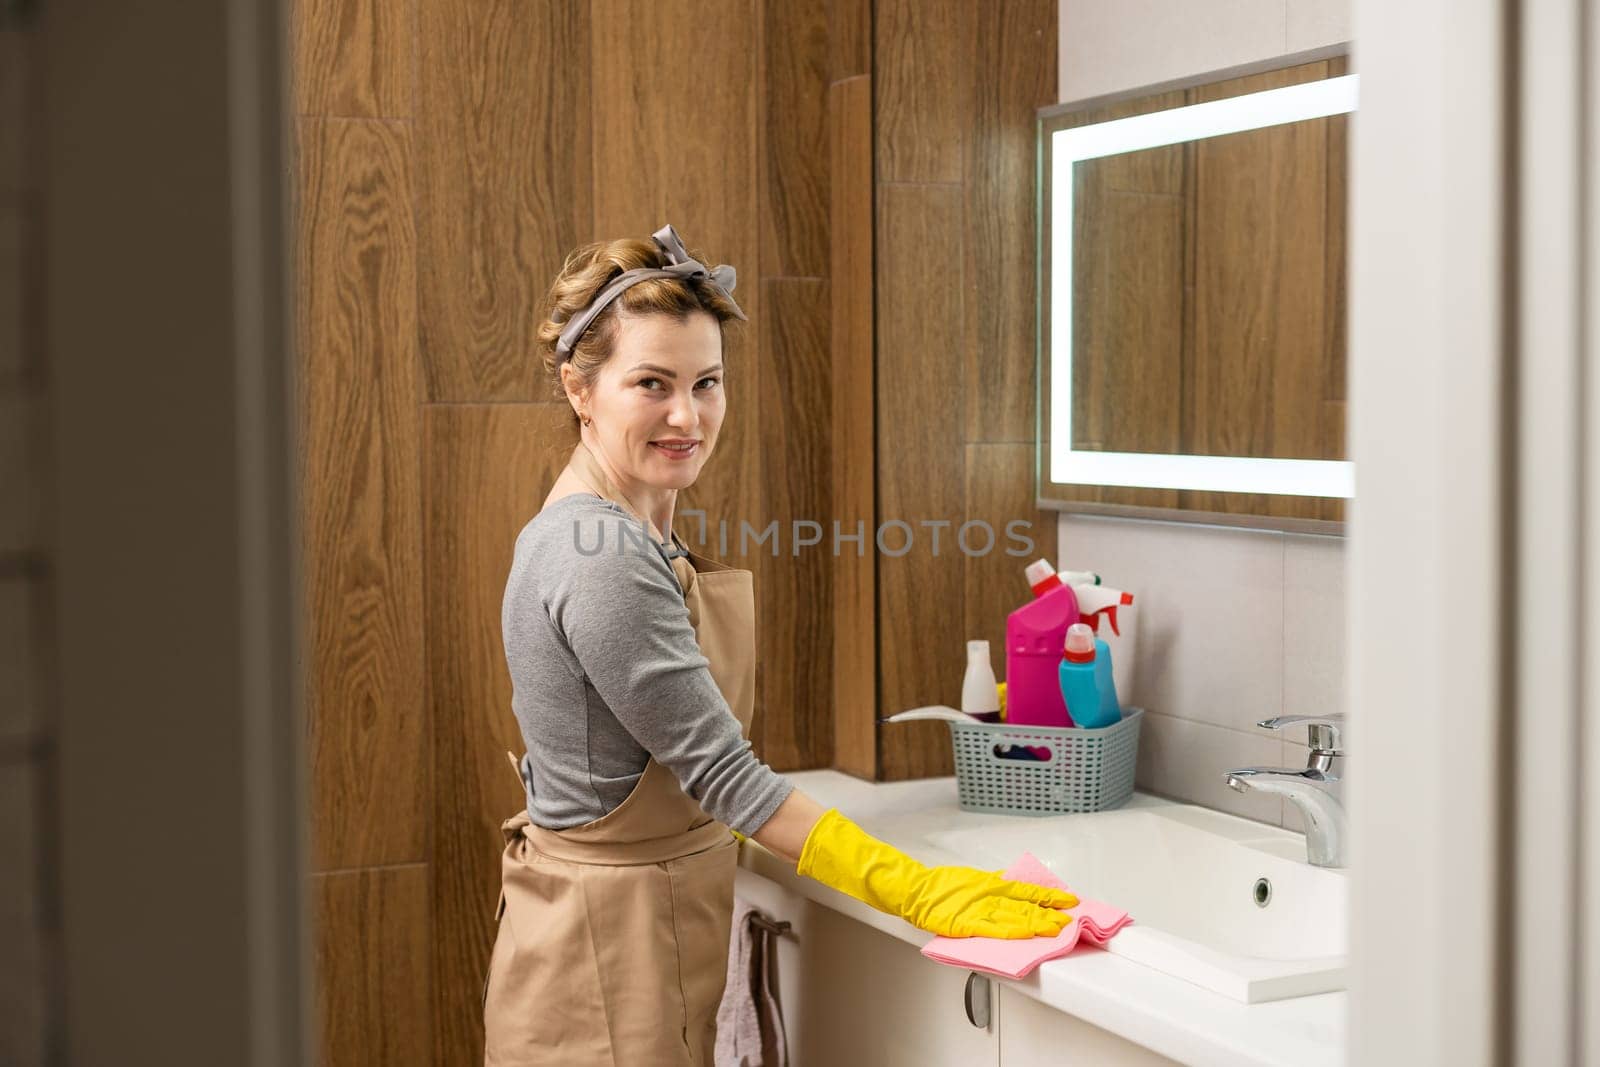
(1192, 299)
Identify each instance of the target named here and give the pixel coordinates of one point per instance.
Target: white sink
(1189, 878)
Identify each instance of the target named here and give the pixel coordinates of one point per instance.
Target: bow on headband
(679, 265)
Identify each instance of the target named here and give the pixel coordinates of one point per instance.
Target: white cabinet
(853, 995)
(1036, 1035)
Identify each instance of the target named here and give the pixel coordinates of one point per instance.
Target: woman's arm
(954, 901)
(786, 832)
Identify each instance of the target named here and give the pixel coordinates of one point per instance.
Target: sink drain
(1262, 893)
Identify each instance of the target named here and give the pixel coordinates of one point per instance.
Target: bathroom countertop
(1166, 1014)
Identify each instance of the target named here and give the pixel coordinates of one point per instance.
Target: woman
(633, 667)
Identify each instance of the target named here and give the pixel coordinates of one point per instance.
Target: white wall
(1235, 625)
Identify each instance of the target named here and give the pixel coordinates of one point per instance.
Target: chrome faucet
(1320, 809)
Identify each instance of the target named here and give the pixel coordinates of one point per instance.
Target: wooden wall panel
(689, 158)
(921, 467)
(21, 126)
(794, 129)
(1128, 331)
(849, 38)
(489, 467)
(1259, 350)
(957, 88)
(539, 127)
(504, 187)
(353, 58)
(795, 632)
(360, 456)
(1113, 391)
(922, 73)
(999, 489)
(854, 438)
(1128, 348)
(1013, 78)
(793, 726)
(371, 936)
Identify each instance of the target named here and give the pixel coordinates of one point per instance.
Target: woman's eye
(654, 384)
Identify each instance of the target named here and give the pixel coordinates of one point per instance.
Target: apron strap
(516, 769)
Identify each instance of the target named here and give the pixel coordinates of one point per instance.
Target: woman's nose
(683, 413)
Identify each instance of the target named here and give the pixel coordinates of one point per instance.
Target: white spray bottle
(1109, 613)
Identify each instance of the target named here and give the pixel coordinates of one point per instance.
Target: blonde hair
(586, 271)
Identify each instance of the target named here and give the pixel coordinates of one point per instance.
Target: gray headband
(721, 277)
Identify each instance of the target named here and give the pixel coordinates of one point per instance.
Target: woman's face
(658, 403)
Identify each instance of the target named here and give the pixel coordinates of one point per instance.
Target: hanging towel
(1092, 921)
(749, 1021)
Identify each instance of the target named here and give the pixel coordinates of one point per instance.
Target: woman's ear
(571, 385)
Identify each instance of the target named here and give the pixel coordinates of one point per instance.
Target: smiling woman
(654, 414)
(633, 684)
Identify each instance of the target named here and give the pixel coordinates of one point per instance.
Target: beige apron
(612, 945)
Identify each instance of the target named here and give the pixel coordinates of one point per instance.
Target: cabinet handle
(977, 1000)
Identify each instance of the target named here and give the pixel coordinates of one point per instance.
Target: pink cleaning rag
(1092, 921)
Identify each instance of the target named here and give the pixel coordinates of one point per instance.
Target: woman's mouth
(678, 448)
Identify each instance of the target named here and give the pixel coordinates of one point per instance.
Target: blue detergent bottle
(1086, 682)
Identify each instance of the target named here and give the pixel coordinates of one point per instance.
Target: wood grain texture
(794, 134)
(21, 112)
(489, 467)
(661, 156)
(923, 75)
(21, 358)
(849, 38)
(371, 936)
(27, 788)
(854, 446)
(921, 468)
(1011, 83)
(795, 618)
(1255, 377)
(1102, 260)
(999, 492)
(353, 58)
(1131, 268)
(1125, 384)
(504, 186)
(360, 478)
(957, 88)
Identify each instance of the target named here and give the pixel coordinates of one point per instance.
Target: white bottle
(980, 695)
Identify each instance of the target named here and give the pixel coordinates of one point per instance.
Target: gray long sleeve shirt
(606, 673)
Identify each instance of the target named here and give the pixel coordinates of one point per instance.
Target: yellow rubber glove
(953, 901)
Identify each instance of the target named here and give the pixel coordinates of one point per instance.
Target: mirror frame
(1046, 125)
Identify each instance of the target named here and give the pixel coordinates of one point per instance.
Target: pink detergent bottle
(1034, 636)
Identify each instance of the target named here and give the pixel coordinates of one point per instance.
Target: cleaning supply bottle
(1110, 614)
(1034, 633)
(980, 696)
(1085, 678)
(1105, 681)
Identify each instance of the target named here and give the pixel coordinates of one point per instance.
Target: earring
(585, 417)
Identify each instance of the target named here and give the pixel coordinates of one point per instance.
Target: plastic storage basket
(1088, 770)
